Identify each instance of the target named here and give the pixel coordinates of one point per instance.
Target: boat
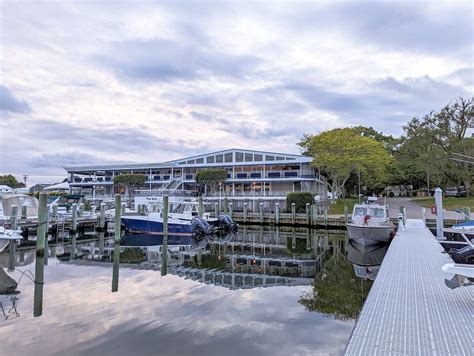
(153, 224)
(458, 236)
(182, 220)
(370, 224)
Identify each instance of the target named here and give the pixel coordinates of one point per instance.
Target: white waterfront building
(251, 175)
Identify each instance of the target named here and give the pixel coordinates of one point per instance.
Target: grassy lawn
(448, 203)
(338, 207)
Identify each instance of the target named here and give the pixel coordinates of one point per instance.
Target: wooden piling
(13, 217)
(118, 226)
(73, 232)
(308, 214)
(277, 214)
(216, 210)
(42, 223)
(245, 212)
(231, 210)
(293, 213)
(55, 213)
(24, 212)
(102, 217)
(226, 205)
(39, 282)
(164, 248)
(346, 214)
(200, 206)
(81, 210)
(261, 212)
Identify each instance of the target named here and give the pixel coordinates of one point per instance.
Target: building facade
(250, 174)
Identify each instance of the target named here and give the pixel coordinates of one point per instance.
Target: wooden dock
(409, 309)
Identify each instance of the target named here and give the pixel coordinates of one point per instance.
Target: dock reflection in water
(211, 302)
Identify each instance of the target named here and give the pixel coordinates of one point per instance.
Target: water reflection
(337, 293)
(212, 293)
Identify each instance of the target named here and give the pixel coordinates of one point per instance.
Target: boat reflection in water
(366, 259)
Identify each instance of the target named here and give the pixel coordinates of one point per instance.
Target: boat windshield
(359, 211)
(377, 212)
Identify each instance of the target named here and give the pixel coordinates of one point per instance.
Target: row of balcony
(191, 177)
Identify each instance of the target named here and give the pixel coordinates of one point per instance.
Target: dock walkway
(409, 309)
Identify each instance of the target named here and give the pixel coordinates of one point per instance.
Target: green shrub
(300, 199)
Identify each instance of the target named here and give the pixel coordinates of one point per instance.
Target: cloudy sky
(89, 82)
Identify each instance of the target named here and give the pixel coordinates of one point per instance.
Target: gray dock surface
(409, 309)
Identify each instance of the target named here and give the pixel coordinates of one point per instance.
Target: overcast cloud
(105, 82)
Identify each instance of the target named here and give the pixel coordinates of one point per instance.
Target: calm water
(258, 292)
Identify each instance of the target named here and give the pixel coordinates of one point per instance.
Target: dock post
(13, 217)
(423, 215)
(293, 213)
(24, 212)
(102, 217)
(46, 242)
(118, 233)
(346, 213)
(245, 212)
(231, 210)
(55, 212)
(73, 232)
(308, 214)
(42, 223)
(226, 205)
(164, 248)
(81, 210)
(216, 210)
(12, 247)
(261, 212)
(200, 206)
(326, 215)
(439, 213)
(277, 214)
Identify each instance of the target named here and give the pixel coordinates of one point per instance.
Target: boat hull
(370, 235)
(139, 224)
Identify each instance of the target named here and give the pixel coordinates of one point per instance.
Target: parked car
(456, 192)
(451, 192)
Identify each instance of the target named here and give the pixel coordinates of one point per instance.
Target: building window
(200, 160)
(257, 157)
(248, 157)
(280, 158)
(270, 158)
(190, 162)
(239, 157)
(290, 159)
(210, 159)
(228, 157)
(219, 158)
(182, 162)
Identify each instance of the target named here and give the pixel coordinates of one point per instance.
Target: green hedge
(300, 199)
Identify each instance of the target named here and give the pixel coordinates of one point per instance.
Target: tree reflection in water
(337, 291)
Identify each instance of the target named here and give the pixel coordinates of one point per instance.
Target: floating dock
(409, 309)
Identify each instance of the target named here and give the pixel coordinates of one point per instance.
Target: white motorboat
(370, 224)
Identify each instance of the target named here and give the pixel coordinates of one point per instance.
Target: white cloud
(263, 73)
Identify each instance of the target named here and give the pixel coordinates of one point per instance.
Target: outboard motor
(463, 255)
(201, 226)
(226, 223)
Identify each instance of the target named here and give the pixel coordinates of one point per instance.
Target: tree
(429, 145)
(340, 152)
(10, 180)
(300, 199)
(130, 181)
(337, 291)
(211, 177)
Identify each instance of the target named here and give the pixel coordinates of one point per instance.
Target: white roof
(59, 186)
(5, 187)
(220, 158)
